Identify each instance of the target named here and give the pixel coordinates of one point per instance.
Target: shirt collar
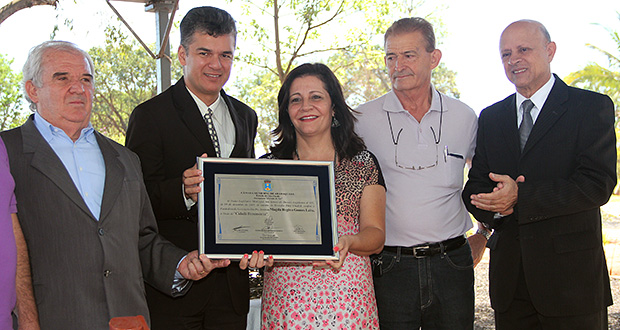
(540, 97)
(215, 106)
(437, 103)
(392, 104)
(50, 132)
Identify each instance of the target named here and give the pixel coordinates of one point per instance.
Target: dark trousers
(215, 312)
(523, 315)
(434, 292)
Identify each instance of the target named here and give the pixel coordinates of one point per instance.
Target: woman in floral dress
(316, 124)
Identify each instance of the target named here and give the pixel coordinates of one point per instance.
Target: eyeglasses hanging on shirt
(436, 140)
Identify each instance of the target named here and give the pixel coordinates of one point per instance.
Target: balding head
(527, 51)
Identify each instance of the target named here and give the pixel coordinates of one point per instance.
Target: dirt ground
(611, 238)
(484, 312)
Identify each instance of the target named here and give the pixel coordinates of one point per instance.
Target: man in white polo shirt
(424, 276)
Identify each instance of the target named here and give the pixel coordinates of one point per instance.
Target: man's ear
(32, 91)
(181, 54)
(551, 47)
(435, 58)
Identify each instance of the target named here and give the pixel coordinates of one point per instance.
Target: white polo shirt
(424, 205)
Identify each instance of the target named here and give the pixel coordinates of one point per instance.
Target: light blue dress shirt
(82, 159)
(84, 162)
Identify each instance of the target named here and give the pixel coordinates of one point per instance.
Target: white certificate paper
(274, 209)
(286, 208)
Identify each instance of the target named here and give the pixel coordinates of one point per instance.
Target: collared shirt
(539, 98)
(224, 126)
(82, 159)
(422, 206)
(84, 162)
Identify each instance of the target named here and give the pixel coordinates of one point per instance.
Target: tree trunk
(15, 5)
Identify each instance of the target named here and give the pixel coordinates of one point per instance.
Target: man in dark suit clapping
(545, 162)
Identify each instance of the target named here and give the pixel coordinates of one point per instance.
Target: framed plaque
(285, 208)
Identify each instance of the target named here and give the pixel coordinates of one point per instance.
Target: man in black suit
(541, 191)
(168, 132)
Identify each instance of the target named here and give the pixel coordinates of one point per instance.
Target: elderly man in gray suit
(82, 204)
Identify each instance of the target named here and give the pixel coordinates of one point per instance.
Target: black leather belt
(427, 250)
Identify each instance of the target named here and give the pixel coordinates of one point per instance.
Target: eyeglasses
(436, 139)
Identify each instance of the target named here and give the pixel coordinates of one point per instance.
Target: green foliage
(347, 35)
(602, 79)
(444, 80)
(599, 78)
(361, 72)
(125, 76)
(263, 95)
(11, 99)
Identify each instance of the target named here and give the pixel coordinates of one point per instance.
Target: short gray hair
(33, 68)
(410, 25)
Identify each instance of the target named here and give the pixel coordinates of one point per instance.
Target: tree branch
(307, 33)
(276, 26)
(322, 51)
(263, 66)
(16, 5)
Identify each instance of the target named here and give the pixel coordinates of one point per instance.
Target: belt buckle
(421, 249)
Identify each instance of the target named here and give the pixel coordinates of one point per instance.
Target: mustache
(398, 74)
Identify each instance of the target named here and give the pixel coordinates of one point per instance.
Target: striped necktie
(212, 132)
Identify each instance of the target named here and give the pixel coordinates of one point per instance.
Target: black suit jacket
(168, 133)
(569, 164)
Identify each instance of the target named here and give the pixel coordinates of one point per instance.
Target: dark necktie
(526, 122)
(212, 132)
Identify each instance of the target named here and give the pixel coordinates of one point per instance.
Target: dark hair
(413, 24)
(346, 142)
(209, 20)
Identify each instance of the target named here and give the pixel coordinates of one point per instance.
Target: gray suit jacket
(86, 271)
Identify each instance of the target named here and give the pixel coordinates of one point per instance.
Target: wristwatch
(485, 233)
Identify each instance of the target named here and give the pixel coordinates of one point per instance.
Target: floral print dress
(299, 296)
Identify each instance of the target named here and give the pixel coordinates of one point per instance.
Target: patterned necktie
(526, 122)
(212, 132)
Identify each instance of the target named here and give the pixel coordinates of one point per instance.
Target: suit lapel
(114, 175)
(239, 124)
(549, 114)
(46, 161)
(508, 125)
(190, 115)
